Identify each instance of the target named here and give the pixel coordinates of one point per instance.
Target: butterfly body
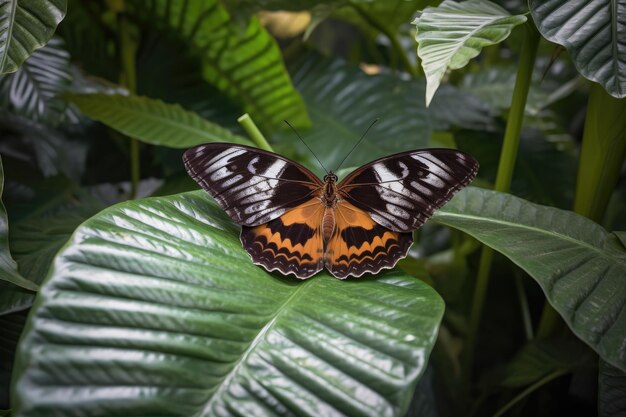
(297, 224)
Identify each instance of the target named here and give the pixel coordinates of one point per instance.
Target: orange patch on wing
(291, 243)
(361, 245)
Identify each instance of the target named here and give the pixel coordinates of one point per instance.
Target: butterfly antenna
(357, 144)
(307, 146)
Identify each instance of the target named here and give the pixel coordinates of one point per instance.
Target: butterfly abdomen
(328, 223)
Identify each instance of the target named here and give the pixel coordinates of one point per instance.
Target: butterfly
(295, 223)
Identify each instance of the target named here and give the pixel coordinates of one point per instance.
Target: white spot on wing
(251, 164)
(274, 170)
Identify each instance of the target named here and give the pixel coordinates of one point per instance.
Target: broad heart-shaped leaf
(594, 34)
(579, 265)
(154, 308)
(8, 267)
(33, 90)
(152, 121)
(243, 62)
(451, 34)
(26, 25)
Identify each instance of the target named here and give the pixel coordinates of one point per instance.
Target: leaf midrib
(562, 236)
(257, 340)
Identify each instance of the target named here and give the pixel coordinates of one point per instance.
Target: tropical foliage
(124, 290)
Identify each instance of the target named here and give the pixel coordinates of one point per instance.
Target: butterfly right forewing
(251, 185)
(401, 191)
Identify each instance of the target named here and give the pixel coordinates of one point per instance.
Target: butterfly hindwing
(251, 185)
(361, 245)
(400, 192)
(291, 243)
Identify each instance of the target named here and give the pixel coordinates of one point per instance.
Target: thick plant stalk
(601, 158)
(602, 154)
(503, 179)
(253, 131)
(128, 48)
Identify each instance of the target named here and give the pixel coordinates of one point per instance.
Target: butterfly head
(330, 177)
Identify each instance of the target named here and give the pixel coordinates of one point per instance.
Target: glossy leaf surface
(452, 33)
(26, 25)
(594, 34)
(579, 265)
(152, 121)
(160, 293)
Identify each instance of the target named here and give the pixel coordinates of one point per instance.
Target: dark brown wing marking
(292, 243)
(251, 185)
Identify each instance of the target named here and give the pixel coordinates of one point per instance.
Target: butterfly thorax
(329, 196)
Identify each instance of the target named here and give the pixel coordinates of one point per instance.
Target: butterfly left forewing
(359, 244)
(251, 185)
(400, 192)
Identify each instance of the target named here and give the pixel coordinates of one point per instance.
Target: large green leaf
(451, 34)
(33, 90)
(26, 25)
(244, 63)
(579, 265)
(153, 308)
(8, 267)
(594, 34)
(152, 121)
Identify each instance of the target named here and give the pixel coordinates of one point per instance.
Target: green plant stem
(128, 48)
(523, 301)
(253, 131)
(548, 323)
(503, 180)
(393, 38)
(543, 381)
(602, 154)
